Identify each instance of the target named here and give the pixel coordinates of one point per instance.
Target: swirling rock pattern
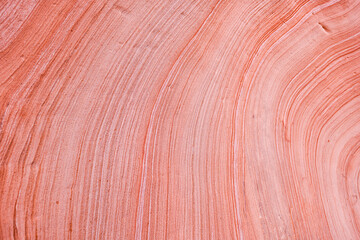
(179, 119)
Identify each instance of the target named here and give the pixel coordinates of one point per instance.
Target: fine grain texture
(180, 119)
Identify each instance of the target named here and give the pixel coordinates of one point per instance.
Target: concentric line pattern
(217, 119)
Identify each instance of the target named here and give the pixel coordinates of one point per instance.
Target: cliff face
(178, 119)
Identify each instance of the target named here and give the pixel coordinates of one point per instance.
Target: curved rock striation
(180, 119)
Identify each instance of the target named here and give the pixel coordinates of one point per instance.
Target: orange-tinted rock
(179, 119)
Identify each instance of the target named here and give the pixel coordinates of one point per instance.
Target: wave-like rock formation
(159, 119)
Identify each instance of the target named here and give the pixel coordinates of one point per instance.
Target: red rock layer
(179, 119)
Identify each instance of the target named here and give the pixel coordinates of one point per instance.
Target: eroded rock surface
(179, 119)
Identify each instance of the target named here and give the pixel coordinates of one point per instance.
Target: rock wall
(170, 119)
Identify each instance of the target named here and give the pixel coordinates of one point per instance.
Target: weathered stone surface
(179, 119)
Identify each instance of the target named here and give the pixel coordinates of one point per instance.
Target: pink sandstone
(202, 119)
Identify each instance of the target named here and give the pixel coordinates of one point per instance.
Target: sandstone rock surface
(171, 119)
